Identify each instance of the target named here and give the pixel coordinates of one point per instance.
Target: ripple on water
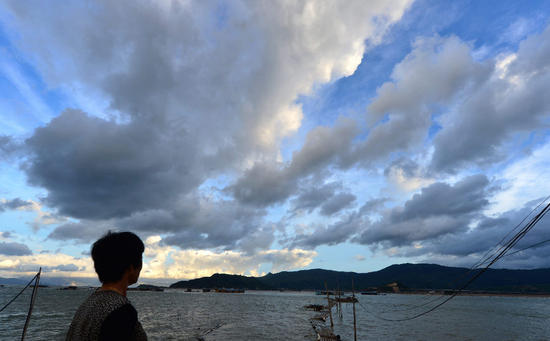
(175, 315)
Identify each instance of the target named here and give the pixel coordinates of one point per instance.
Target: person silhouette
(107, 314)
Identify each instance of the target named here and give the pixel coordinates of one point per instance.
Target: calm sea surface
(257, 315)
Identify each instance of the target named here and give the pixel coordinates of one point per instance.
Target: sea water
(262, 315)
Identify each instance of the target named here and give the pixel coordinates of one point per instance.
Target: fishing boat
(230, 291)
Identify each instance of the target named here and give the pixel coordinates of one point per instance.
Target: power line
(503, 250)
(486, 258)
(483, 260)
(13, 299)
(528, 247)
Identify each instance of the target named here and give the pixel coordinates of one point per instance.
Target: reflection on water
(177, 315)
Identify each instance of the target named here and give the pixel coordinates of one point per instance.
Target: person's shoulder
(120, 324)
(108, 296)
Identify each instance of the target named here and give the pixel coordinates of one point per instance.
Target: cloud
(220, 224)
(439, 72)
(333, 234)
(8, 147)
(169, 262)
(99, 169)
(161, 261)
(14, 204)
(196, 222)
(311, 197)
(42, 217)
(14, 249)
(469, 246)
(434, 72)
(190, 98)
(267, 183)
(82, 232)
(407, 175)
(52, 263)
(511, 101)
(436, 210)
(337, 203)
(62, 267)
(518, 182)
(359, 257)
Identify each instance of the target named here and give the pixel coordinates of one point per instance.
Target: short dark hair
(114, 253)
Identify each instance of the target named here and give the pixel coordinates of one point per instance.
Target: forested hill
(407, 276)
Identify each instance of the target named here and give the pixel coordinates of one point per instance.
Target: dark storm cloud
(195, 223)
(99, 169)
(82, 232)
(14, 249)
(14, 204)
(437, 210)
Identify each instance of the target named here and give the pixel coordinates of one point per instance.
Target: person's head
(116, 254)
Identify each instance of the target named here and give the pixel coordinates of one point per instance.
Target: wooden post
(354, 321)
(338, 303)
(33, 298)
(329, 308)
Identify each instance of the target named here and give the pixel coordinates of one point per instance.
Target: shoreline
(498, 294)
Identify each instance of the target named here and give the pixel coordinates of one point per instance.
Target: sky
(249, 137)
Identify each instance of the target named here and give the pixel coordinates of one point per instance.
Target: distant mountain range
(51, 281)
(13, 281)
(407, 276)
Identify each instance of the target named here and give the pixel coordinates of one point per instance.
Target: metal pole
(33, 297)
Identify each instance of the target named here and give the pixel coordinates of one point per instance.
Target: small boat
(230, 291)
(346, 299)
(70, 287)
(371, 292)
(206, 290)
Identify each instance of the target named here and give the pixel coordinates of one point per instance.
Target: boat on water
(370, 292)
(230, 291)
(346, 299)
(325, 292)
(70, 287)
